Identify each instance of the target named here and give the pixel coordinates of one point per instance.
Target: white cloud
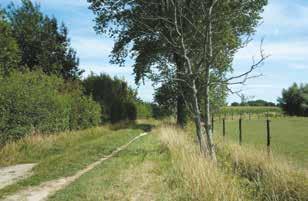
(284, 16)
(92, 48)
(283, 50)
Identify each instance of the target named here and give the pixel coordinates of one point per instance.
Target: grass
(135, 174)
(165, 166)
(63, 154)
(241, 172)
(289, 136)
(268, 179)
(193, 176)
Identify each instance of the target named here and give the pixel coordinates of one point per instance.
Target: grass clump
(196, 177)
(269, 178)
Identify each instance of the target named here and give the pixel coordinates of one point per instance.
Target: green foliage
(144, 110)
(294, 101)
(114, 95)
(84, 113)
(258, 103)
(32, 102)
(43, 43)
(9, 52)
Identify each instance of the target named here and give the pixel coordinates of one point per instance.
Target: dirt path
(12, 174)
(41, 192)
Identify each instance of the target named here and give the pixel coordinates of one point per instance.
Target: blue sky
(284, 29)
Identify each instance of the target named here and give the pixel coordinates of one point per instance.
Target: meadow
(289, 136)
(164, 165)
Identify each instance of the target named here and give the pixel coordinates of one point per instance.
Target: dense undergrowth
(33, 102)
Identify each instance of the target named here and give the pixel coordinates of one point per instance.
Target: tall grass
(200, 178)
(269, 178)
(38, 146)
(241, 173)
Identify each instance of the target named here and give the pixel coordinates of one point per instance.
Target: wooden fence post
(268, 138)
(212, 123)
(224, 127)
(240, 129)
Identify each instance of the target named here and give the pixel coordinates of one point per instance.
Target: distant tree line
(254, 103)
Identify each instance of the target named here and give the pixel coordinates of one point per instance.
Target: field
(289, 136)
(164, 165)
(255, 111)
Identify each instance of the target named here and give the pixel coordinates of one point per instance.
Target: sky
(284, 30)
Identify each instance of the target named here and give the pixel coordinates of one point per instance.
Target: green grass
(134, 174)
(63, 154)
(289, 136)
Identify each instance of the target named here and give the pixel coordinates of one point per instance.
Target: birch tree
(205, 35)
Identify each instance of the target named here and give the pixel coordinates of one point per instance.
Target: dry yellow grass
(35, 145)
(273, 179)
(201, 178)
(241, 173)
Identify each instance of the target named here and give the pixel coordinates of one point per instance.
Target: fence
(224, 120)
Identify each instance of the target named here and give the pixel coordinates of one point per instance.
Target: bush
(144, 110)
(85, 113)
(294, 100)
(114, 95)
(32, 102)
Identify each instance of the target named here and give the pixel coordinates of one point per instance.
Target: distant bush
(33, 102)
(294, 100)
(144, 110)
(257, 103)
(114, 95)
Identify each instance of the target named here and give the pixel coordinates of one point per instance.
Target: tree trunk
(209, 62)
(181, 106)
(207, 119)
(198, 122)
(181, 112)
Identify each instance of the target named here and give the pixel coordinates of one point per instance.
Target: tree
(9, 51)
(42, 42)
(204, 35)
(114, 95)
(294, 100)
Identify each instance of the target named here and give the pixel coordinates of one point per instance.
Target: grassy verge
(241, 173)
(194, 176)
(63, 154)
(265, 177)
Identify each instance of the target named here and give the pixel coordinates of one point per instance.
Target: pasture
(289, 136)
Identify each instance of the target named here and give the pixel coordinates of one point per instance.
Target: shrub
(144, 110)
(114, 95)
(33, 102)
(85, 113)
(294, 100)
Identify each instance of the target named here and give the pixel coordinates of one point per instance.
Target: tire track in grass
(44, 190)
